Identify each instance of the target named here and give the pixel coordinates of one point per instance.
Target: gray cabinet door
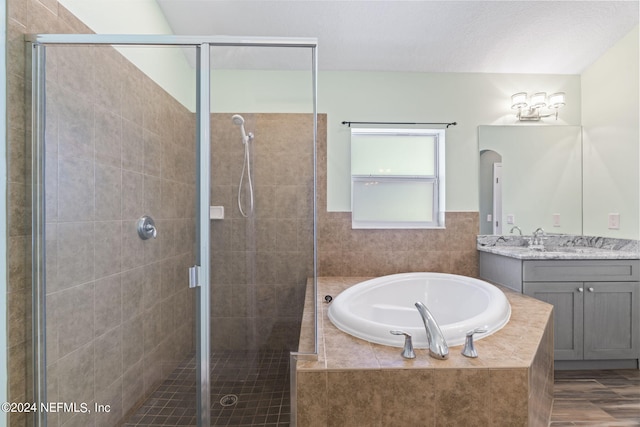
(611, 321)
(567, 299)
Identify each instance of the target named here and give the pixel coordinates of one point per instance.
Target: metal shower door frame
(203, 44)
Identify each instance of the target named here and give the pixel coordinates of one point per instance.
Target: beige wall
(471, 99)
(604, 99)
(611, 122)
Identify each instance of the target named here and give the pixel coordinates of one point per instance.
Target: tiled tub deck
(358, 383)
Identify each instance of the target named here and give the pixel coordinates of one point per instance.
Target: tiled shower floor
(259, 380)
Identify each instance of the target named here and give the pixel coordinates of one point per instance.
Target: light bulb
(556, 100)
(539, 100)
(518, 100)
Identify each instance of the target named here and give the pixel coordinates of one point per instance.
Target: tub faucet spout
(438, 347)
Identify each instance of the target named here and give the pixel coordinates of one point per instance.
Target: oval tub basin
(370, 309)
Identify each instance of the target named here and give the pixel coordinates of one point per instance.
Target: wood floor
(608, 398)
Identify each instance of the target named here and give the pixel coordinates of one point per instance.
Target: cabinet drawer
(581, 270)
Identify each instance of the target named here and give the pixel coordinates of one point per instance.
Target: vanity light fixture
(529, 109)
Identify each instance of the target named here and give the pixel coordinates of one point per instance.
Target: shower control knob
(147, 228)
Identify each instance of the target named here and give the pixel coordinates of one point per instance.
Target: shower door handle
(193, 276)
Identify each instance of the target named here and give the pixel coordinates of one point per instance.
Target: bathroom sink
(575, 250)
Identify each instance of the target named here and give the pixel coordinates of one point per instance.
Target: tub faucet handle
(407, 351)
(469, 349)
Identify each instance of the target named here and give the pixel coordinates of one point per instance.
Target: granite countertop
(565, 247)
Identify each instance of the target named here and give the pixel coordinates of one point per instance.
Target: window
(397, 178)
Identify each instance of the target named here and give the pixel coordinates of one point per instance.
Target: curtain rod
(398, 123)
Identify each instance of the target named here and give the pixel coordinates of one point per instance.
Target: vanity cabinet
(592, 320)
(596, 302)
(596, 306)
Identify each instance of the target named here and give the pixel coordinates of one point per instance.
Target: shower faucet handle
(147, 228)
(407, 351)
(151, 229)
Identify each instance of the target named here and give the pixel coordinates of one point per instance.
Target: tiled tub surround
(561, 246)
(345, 252)
(357, 383)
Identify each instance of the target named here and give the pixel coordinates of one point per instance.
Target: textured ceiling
(548, 37)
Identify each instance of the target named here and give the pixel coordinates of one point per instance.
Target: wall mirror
(530, 177)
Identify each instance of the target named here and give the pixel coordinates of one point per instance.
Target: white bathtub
(370, 309)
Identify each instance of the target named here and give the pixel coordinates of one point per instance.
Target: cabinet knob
(580, 290)
(590, 289)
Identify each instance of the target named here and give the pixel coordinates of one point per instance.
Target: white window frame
(438, 180)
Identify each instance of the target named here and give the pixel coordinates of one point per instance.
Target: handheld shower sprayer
(238, 120)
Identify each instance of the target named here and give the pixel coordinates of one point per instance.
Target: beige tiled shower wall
(260, 264)
(117, 147)
(119, 310)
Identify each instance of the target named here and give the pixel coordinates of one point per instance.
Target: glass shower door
(125, 170)
(262, 254)
(117, 143)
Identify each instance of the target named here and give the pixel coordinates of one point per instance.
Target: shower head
(237, 119)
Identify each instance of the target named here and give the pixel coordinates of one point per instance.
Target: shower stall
(174, 227)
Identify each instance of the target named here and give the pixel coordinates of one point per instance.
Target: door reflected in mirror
(530, 177)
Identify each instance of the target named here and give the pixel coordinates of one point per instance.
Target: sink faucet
(515, 227)
(438, 347)
(537, 239)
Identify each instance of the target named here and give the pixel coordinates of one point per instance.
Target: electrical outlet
(556, 220)
(511, 219)
(489, 217)
(614, 221)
